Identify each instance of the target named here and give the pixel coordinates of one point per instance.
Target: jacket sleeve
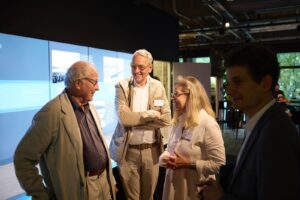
(28, 154)
(228, 197)
(165, 119)
(277, 178)
(146, 119)
(214, 149)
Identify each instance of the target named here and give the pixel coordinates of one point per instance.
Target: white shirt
(140, 104)
(250, 126)
(177, 133)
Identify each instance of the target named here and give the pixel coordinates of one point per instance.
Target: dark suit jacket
(269, 167)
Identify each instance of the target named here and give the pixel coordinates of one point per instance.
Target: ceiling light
(227, 24)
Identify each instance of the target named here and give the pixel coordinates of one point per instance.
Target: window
(289, 79)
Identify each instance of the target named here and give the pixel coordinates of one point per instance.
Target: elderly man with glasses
(142, 108)
(66, 139)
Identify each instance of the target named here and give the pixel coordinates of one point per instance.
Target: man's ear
(267, 82)
(77, 84)
(151, 68)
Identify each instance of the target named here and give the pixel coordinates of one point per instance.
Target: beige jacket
(54, 141)
(203, 145)
(127, 120)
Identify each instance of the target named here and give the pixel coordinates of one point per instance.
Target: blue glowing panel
(112, 67)
(24, 87)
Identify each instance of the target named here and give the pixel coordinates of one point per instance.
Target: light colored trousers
(97, 187)
(139, 173)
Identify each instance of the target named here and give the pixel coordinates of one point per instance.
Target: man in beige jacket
(143, 109)
(66, 139)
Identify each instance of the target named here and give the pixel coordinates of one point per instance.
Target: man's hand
(210, 190)
(154, 114)
(116, 188)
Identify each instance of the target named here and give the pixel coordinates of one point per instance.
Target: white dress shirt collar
(254, 119)
(135, 84)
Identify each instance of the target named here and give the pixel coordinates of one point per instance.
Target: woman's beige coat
(203, 145)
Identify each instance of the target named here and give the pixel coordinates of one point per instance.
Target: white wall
(202, 71)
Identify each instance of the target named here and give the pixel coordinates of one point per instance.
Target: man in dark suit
(267, 166)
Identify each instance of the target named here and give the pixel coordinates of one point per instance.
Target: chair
(222, 114)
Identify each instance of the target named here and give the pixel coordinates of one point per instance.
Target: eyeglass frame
(176, 95)
(140, 67)
(92, 81)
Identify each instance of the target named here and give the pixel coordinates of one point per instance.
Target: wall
(201, 71)
(119, 25)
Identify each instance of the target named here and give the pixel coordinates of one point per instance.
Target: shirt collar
(75, 104)
(135, 84)
(253, 121)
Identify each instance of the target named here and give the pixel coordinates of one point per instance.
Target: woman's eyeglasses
(176, 95)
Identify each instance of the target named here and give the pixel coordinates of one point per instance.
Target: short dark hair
(258, 59)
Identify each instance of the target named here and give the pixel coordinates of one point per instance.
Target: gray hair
(144, 53)
(78, 70)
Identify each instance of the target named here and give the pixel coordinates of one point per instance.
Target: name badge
(158, 102)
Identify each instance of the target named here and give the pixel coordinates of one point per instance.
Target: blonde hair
(204, 102)
(197, 100)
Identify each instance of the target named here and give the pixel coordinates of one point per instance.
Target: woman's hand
(164, 159)
(178, 161)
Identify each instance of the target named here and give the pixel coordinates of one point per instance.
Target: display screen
(24, 87)
(112, 67)
(62, 56)
(32, 72)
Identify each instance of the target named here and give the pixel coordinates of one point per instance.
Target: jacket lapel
(130, 93)
(98, 124)
(251, 141)
(150, 95)
(72, 129)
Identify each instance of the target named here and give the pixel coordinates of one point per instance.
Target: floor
(11, 190)
(9, 186)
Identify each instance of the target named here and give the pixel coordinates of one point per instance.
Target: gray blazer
(269, 167)
(54, 141)
(127, 120)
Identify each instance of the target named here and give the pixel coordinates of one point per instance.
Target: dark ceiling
(201, 22)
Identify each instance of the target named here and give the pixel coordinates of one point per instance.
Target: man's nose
(228, 89)
(97, 87)
(136, 69)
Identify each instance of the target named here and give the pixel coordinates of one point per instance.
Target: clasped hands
(175, 161)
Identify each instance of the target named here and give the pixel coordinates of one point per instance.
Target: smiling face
(140, 69)
(244, 92)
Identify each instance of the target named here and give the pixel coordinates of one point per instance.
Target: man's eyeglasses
(92, 81)
(140, 67)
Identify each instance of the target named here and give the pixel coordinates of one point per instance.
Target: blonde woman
(195, 149)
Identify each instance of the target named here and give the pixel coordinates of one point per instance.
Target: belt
(94, 173)
(142, 146)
